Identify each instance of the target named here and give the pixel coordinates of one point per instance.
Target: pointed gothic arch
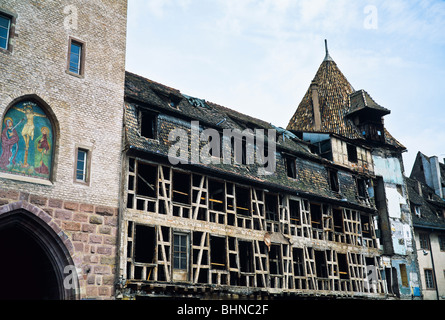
(37, 253)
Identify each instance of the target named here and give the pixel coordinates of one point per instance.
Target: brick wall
(87, 111)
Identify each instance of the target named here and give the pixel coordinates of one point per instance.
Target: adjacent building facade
(428, 215)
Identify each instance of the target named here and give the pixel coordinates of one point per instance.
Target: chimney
(419, 188)
(316, 106)
(435, 176)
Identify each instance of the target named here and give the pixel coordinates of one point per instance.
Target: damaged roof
(176, 110)
(337, 100)
(432, 207)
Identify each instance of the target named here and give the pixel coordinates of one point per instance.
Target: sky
(259, 56)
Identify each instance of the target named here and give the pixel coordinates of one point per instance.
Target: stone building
(62, 67)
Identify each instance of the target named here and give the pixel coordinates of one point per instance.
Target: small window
(361, 188)
(429, 279)
(442, 242)
(291, 167)
(147, 122)
(76, 57)
(180, 252)
(352, 153)
(82, 165)
(333, 180)
(424, 241)
(5, 27)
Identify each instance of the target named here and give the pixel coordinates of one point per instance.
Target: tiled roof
(337, 99)
(311, 178)
(428, 202)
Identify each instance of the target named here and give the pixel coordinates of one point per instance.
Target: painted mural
(26, 145)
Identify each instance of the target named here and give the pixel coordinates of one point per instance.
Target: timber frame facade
(221, 231)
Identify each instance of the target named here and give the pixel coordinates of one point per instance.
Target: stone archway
(34, 253)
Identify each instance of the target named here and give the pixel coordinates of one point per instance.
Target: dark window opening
(361, 188)
(316, 216)
(403, 275)
(298, 259)
(272, 207)
(343, 269)
(146, 180)
(294, 209)
(275, 259)
(181, 187)
(242, 201)
(291, 167)
(352, 153)
(147, 123)
(216, 195)
(333, 180)
(145, 244)
(246, 256)
(218, 253)
(366, 226)
(320, 264)
(337, 216)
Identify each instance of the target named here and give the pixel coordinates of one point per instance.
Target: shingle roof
(428, 202)
(312, 176)
(337, 99)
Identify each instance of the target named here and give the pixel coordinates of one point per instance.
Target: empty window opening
(366, 226)
(146, 179)
(275, 266)
(242, 200)
(216, 195)
(181, 187)
(352, 153)
(320, 264)
(333, 180)
(343, 268)
(403, 275)
(298, 259)
(294, 210)
(180, 251)
(316, 216)
(337, 215)
(246, 256)
(145, 244)
(291, 167)
(218, 253)
(272, 207)
(361, 188)
(147, 121)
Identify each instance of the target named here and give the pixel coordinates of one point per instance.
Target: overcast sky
(259, 56)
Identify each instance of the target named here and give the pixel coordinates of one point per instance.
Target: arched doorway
(32, 259)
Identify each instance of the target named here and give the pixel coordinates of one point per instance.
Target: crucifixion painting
(26, 145)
